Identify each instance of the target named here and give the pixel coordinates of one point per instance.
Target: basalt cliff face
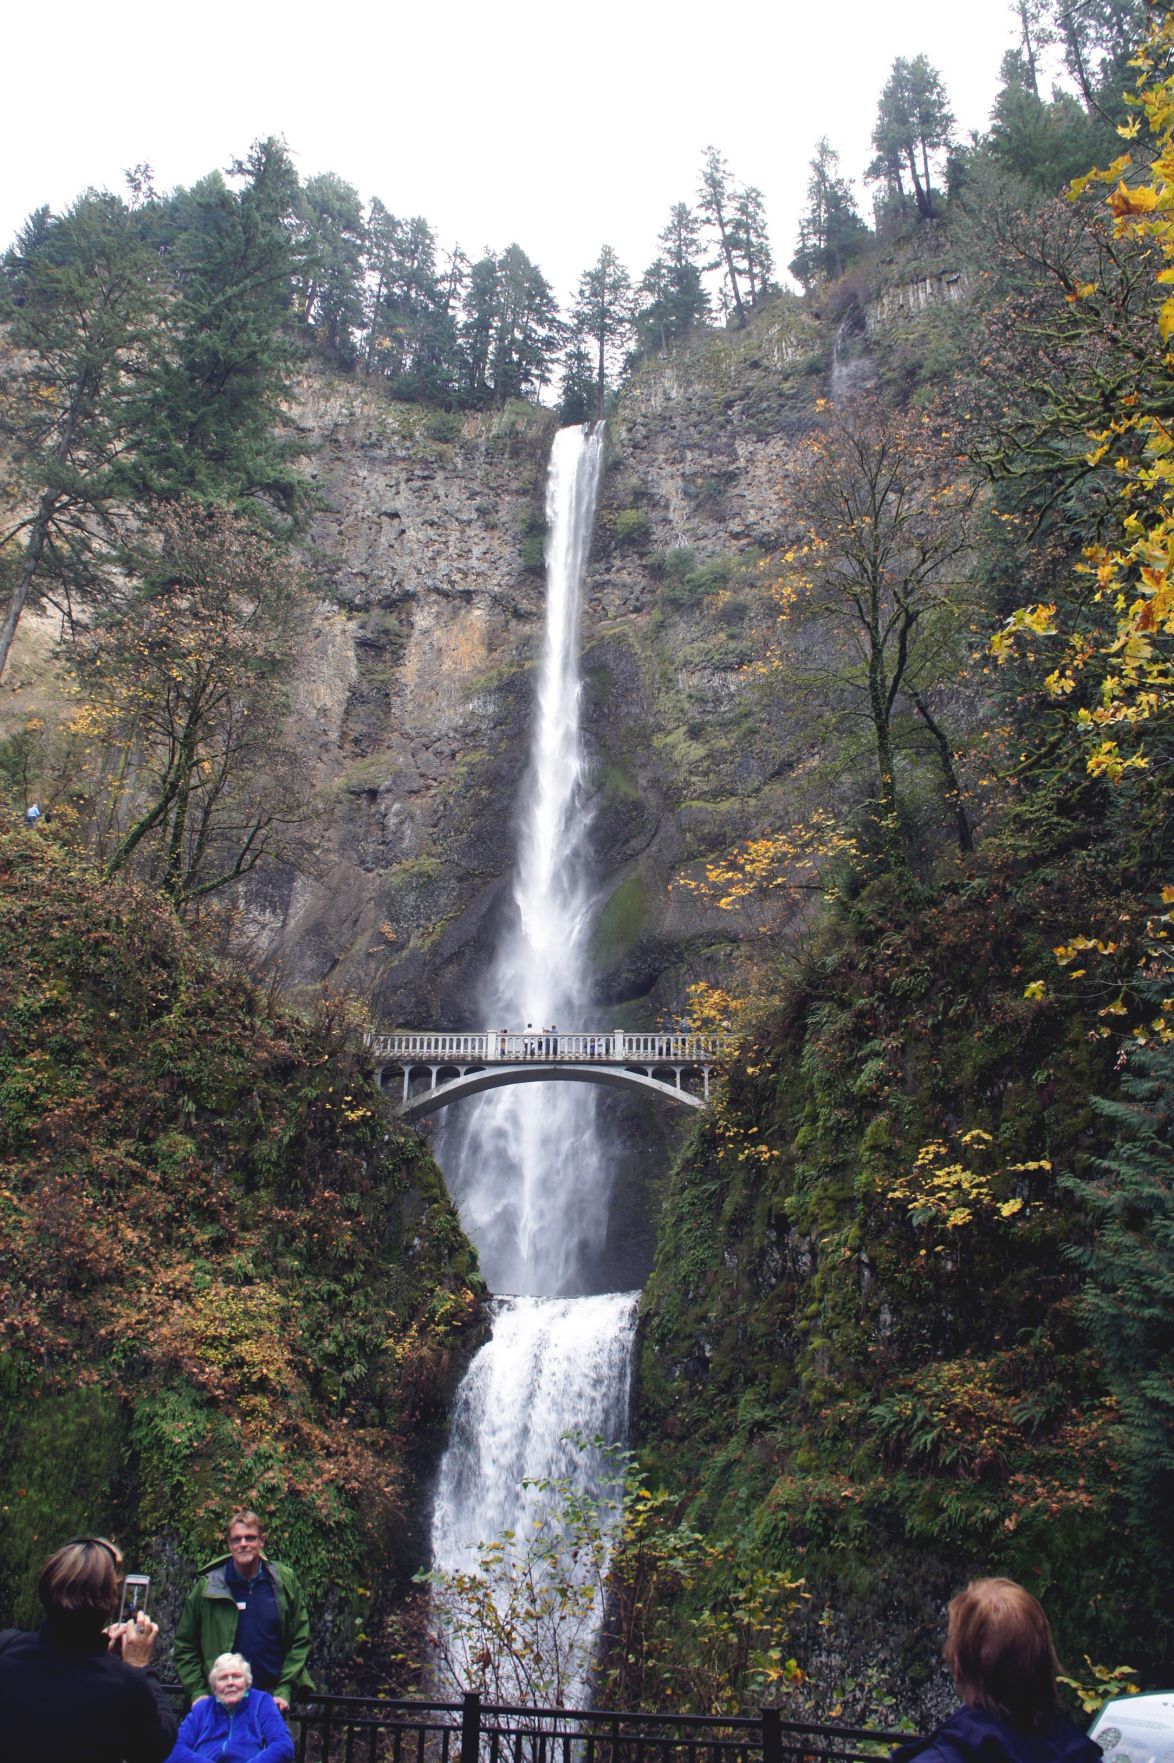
(414, 689)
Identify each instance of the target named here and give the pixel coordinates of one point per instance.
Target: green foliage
(1128, 1301)
(602, 316)
(913, 123)
(331, 294)
(521, 1625)
(79, 297)
(215, 1232)
(210, 406)
(688, 580)
(632, 526)
(831, 232)
(671, 299)
(62, 1472)
(864, 1350)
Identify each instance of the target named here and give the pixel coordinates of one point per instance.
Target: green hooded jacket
(207, 1628)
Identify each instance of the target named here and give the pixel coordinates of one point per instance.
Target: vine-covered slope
(228, 1275)
(865, 1351)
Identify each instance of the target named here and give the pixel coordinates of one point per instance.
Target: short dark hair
(1000, 1653)
(82, 1577)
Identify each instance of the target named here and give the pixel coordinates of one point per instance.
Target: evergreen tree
(715, 199)
(831, 232)
(1044, 144)
(579, 395)
(671, 300)
(1098, 38)
(913, 125)
(603, 313)
(332, 286)
(79, 298)
(213, 397)
(476, 331)
(1128, 1302)
(751, 244)
(527, 332)
(410, 298)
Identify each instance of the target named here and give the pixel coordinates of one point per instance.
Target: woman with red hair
(1000, 1654)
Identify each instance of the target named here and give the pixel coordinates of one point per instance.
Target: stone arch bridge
(433, 1069)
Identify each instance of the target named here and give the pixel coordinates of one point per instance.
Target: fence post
(470, 1726)
(772, 1736)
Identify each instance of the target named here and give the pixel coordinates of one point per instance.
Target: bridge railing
(353, 1729)
(499, 1046)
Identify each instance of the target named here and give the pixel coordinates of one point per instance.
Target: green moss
(62, 1473)
(618, 786)
(623, 917)
(632, 526)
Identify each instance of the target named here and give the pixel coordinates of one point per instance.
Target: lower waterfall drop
(526, 1165)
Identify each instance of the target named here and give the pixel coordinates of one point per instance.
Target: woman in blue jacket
(1000, 1654)
(235, 1723)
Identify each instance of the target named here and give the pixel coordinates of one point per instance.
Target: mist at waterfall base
(528, 1165)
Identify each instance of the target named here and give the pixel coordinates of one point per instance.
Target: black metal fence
(355, 1729)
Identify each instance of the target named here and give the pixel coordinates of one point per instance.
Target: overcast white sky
(561, 128)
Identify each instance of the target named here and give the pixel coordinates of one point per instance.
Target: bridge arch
(475, 1081)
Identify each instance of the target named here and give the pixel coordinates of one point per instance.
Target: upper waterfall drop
(525, 1165)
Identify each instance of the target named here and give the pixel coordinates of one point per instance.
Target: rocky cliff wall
(414, 692)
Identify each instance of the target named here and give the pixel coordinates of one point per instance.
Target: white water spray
(525, 1164)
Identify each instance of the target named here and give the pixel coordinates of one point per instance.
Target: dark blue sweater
(972, 1735)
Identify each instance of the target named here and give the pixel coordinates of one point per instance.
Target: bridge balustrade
(609, 1045)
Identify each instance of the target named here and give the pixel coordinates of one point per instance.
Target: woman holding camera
(81, 1686)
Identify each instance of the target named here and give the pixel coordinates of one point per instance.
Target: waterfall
(526, 1164)
(852, 371)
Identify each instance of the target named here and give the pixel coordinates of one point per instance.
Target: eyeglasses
(245, 1536)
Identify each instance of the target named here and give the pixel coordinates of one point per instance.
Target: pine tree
(79, 296)
(603, 313)
(671, 300)
(579, 394)
(527, 332)
(715, 199)
(913, 123)
(831, 232)
(331, 293)
(213, 399)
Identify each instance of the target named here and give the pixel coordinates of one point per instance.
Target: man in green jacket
(243, 1603)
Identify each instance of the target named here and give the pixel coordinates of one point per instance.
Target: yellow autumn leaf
(1140, 200)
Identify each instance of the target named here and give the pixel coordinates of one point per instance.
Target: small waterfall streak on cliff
(532, 1179)
(851, 372)
(525, 1163)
